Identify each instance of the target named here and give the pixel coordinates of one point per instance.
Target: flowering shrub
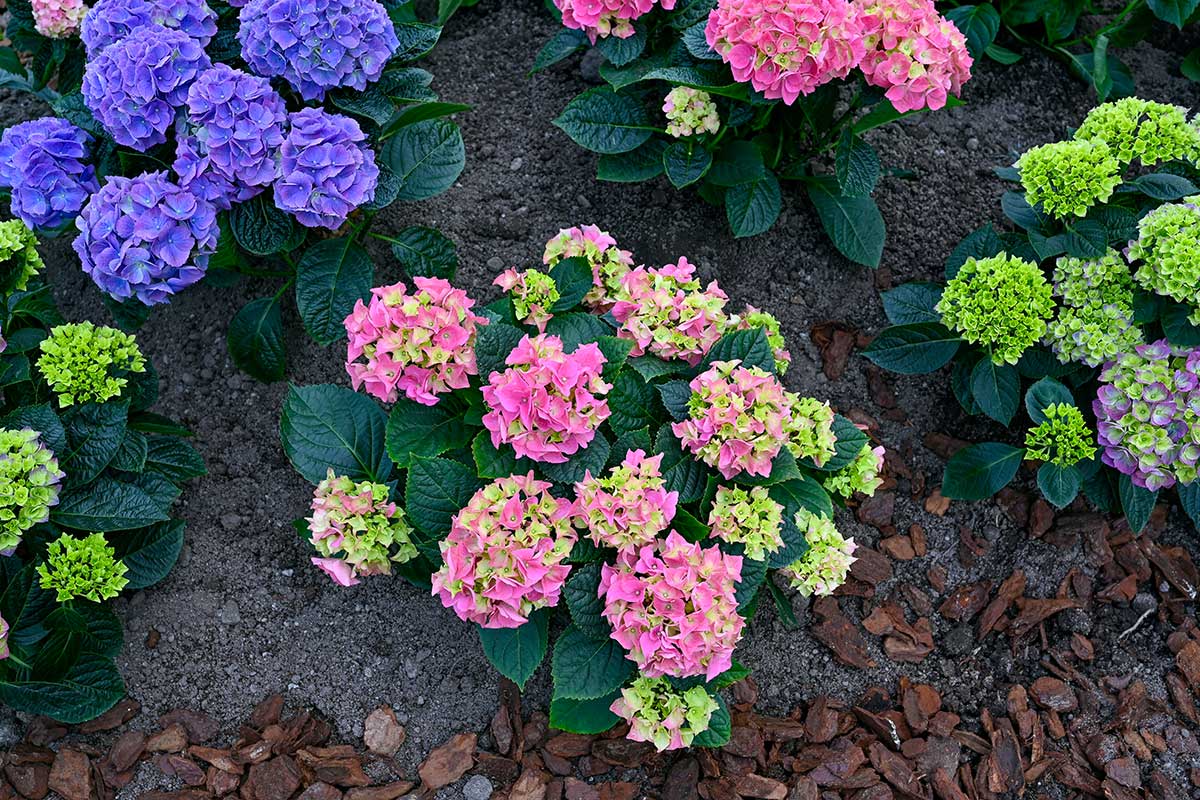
(356, 530)
(703, 93)
(174, 155)
(568, 461)
(1088, 310)
(88, 478)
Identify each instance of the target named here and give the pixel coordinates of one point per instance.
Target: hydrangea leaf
(981, 470)
(586, 668)
(427, 156)
(604, 121)
(435, 491)
(854, 224)
(584, 716)
(583, 600)
(914, 349)
(331, 277)
(1045, 392)
(573, 279)
(592, 458)
(174, 459)
(516, 653)
(720, 727)
(416, 431)
(565, 43)
(108, 505)
(150, 552)
(685, 163)
(329, 427)
(576, 328)
(997, 389)
(753, 207)
(259, 227)
(1136, 502)
(255, 340)
(913, 302)
(90, 687)
(637, 165)
(493, 343)
(680, 471)
(94, 433)
(491, 463)
(1059, 485)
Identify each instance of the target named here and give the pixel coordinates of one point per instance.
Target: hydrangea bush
(88, 478)
(257, 139)
(733, 97)
(1087, 308)
(626, 456)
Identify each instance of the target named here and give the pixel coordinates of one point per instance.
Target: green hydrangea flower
(1168, 245)
(659, 713)
(1063, 438)
(1094, 321)
(82, 568)
(1000, 303)
(19, 258)
(752, 318)
(1068, 178)
(826, 563)
(357, 530)
(1141, 130)
(862, 475)
(810, 430)
(750, 518)
(29, 484)
(84, 363)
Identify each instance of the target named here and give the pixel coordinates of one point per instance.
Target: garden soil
(244, 614)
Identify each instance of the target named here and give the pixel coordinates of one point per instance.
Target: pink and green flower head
(659, 713)
(912, 52)
(826, 564)
(630, 506)
(752, 318)
(85, 568)
(534, 294)
(810, 430)
(1000, 303)
(58, 19)
(1094, 320)
(1063, 438)
(1068, 178)
(420, 344)
(786, 48)
(83, 363)
(506, 553)
(666, 313)
(30, 481)
(672, 606)
(4, 651)
(547, 404)
(602, 18)
(609, 263)
(356, 530)
(748, 517)
(1167, 252)
(1142, 130)
(690, 112)
(860, 476)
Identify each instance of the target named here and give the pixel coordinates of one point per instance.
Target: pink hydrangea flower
(547, 404)
(4, 652)
(786, 48)
(356, 530)
(58, 19)
(421, 344)
(913, 52)
(672, 606)
(609, 263)
(533, 293)
(599, 18)
(505, 556)
(665, 312)
(630, 506)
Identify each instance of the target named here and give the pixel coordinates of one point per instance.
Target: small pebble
(495, 264)
(477, 787)
(516, 164)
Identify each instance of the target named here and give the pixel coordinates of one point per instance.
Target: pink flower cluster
(421, 344)
(630, 506)
(913, 52)
(666, 313)
(609, 263)
(58, 19)
(599, 18)
(738, 419)
(548, 403)
(672, 605)
(788, 48)
(505, 555)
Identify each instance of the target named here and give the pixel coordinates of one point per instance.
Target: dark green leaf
(584, 716)
(491, 463)
(427, 156)
(1175, 12)
(997, 389)
(565, 43)
(255, 340)
(749, 346)
(675, 396)
(107, 505)
(720, 727)
(1136, 502)
(913, 349)
(979, 24)
(493, 344)
(332, 276)
(638, 165)
(328, 427)
(857, 166)
(517, 652)
(1017, 209)
(586, 668)
(753, 207)
(42, 418)
(1059, 485)
(686, 162)
(416, 431)
(911, 303)
(604, 121)
(259, 227)
(416, 39)
(853, 224)
(94, 433)
(621, 51)
(1164, 186)
(697, 43)
(425, 252)
(1045, 392)
(149, 553)
(131, 456)
(737, 162)
(1189, 498)
(981, 470)
(980, 243)
(576, 328)
(436, 490)
(573, 278)
(582, 594)
(593, 459)
(631, 401)
(174, 459)
(680, 472)
(91, 686)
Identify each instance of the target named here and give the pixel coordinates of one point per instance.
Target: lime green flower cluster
(19, 258)
(82, 568)
(810, 430)
(1168, 245)
(1141, 130)
(861, 475)
(826, 563)
(29, 483)
(1063, 438)
(1001, 303)
(750, 518)
(1068, 178)
(84, 363)
(1095, 313)
(659, 713)
(356, 530)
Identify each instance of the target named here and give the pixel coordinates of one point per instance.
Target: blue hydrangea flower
(228, 147)
(134, 86)
(317, 45)
(326, 170)
(47, 164)
(145, 237)
(110, 21)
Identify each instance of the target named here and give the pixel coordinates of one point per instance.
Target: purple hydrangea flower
(228, 148)
(135, 85)
(317, 45)
(326, 170)
(47, 164)
(110, 21)
(1148, 414)
(145, 237)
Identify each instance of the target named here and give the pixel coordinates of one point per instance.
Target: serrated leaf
(255, 339)
(427, 156)
(914, 349)
(150, 553)
(425, 252)
(1136, 502)
(854, 224)
(516, 653)
(997, 389)
(107, 505)
(416, 431)
(981, 470)
(681, 473)
(493, 344)
(331, 277)
(584, 668)
(581, 592)
(603, 121)
(753, 207)
(686, 162)
(327, 427)
(435, 491)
